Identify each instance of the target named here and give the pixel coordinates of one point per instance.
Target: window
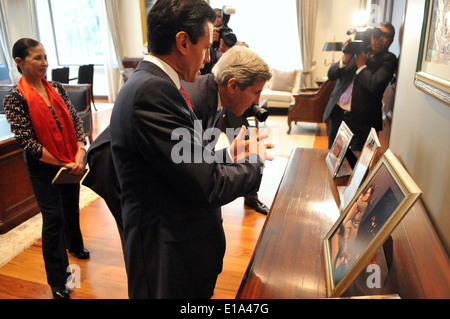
(268, 27)
(76, 27)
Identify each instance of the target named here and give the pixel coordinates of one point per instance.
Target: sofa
(280, 90)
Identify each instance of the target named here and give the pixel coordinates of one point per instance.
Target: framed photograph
(361, 167)
(433, 66)
(337, 151)
(376, 209)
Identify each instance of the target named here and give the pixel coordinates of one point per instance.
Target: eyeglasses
(378, 34)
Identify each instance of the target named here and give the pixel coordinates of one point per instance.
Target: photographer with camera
(362, 76)
(220, 99)
(223, 37)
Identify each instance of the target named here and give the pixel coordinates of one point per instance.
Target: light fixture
(332, 47)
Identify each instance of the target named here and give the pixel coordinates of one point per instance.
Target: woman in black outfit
(47, 127)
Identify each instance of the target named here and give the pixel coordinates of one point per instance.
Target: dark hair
(21, 47)
(168, 17)
(389, 26)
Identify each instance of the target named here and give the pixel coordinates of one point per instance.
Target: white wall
(421, 129)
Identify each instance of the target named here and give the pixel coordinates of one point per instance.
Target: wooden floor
(103, 275)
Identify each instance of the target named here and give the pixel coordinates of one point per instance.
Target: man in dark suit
(362, 80)
(219, 100)
(102, 177)
(172, 192)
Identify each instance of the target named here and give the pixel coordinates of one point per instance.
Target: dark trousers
(59, 205)
(360, 133)
(337, 116)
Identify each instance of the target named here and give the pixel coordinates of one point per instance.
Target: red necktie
(186, 97)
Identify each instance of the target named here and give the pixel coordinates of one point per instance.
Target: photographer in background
(362, 74)
(223, 37)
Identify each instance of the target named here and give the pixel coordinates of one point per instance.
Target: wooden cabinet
(17, 201)
(287, 261)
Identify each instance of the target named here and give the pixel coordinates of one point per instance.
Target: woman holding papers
(50, 132)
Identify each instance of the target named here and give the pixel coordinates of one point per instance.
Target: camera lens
(260, 113)
(229, 39)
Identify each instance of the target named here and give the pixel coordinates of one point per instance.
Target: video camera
(362, 41)
(225, 32)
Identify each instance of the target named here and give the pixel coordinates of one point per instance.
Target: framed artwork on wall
(145, 6)
(376, 209)
(433, 66)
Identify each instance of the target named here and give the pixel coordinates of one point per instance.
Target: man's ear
(182, 39)
(232, 85)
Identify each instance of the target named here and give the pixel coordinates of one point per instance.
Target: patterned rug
(26, 234)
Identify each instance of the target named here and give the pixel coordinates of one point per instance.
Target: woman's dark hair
(168, 17)
(21, 47)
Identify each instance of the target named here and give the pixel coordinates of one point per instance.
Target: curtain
(114, 48)
(5, 40)
(9, 9)
(306, 19)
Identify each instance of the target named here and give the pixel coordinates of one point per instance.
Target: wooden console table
(17, 201)
(287, 261)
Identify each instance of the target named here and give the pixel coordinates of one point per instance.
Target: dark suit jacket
(102, 177)
(368, 90)
(174, 241)
(204, 98)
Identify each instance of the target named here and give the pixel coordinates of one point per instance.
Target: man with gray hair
(219, 99)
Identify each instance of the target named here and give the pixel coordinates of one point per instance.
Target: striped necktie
(186, 97)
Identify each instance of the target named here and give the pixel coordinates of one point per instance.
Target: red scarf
(61, 145)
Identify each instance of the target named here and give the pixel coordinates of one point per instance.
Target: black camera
(362, 41)
(225, 32)
(258, 112)
(227, 35)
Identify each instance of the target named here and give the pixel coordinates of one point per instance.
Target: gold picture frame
(377, 208)
(433, 70)
(145, 6)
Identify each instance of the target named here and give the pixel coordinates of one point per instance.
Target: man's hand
(361, 59)
(242, 148)
(216, 34)
(347, 56)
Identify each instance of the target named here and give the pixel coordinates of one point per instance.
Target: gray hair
(242, 64)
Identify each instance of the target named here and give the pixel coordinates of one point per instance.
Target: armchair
(310, 105)
(4, 90)
(280, 89)
(80, 96)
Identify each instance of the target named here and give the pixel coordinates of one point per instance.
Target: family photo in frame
(367, 221)
(361, 167)
(337, 152)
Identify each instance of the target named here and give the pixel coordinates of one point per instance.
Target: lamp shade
(332, 46)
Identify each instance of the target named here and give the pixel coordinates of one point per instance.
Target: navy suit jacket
(173, 236)
(368, 90)
(204, 97)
